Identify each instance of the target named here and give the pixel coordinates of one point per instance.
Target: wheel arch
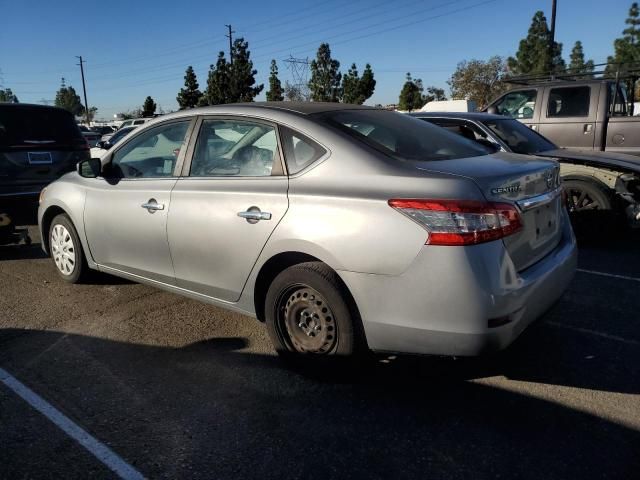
(48, 216)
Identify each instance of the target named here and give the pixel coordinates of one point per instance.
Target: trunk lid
(531, 183)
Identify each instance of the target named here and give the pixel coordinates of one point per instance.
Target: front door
(126, 212)
(224, 209)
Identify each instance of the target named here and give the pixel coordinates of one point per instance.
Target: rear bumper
(443, 303)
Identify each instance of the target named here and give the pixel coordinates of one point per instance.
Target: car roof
(31, 106)
(302, 108)
(478, 116)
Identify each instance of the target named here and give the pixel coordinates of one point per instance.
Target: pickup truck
(575, 114)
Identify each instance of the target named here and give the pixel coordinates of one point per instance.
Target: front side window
(401, 136)
(520, 104)
(569, 102)
(236, 148)
(151, 154)
(519, 137)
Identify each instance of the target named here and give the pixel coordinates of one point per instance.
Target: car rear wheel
(308, 314)
(66, 250)
(585, 196)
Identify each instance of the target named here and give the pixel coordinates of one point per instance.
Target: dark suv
(38, 144)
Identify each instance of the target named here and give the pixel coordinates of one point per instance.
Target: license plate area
(39, 158)
(546, 222)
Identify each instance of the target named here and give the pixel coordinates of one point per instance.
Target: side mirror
(493, 110)
(90, 168)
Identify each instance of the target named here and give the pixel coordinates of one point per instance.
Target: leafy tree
(92, 113)
(356, 89)
(532, 57)
(189, 96)
(7, 96)
(67, 98)
(411, 94)
(434, 94)
(275, 92)
(577, 63)
(626, 48)
(148, 107)
(325, 76)
(242, 76)
(293, 93)
(478, 80)
(217, 91)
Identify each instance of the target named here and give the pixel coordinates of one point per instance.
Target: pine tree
(532, 57)
(367, 85)
(189, 96)
(627, 48)
(67, 98)
(411, 94)
(148, 107)
(351, 86)
(217, 91)
(325, 76)
(275, 92)
(577, 63)
(242, 76)
(434, 94)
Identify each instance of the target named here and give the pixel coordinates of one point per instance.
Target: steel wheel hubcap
(307, 320)
(62, 250)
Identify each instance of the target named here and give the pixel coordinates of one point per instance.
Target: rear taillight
(461, 222)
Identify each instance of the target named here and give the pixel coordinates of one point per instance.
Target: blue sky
(139, 48)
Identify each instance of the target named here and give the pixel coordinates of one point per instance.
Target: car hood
(596, 159)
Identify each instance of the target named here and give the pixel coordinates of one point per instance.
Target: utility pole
(230, 37)
(84, 88)
(552, 36)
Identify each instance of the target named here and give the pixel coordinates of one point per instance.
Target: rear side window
(299, 150)
(23, 125)
(403, 137)
(569, 102)
(520, 104)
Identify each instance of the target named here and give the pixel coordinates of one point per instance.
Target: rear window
(21, 126)
(401, 136)
(569, 102)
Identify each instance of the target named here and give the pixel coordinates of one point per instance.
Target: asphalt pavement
(179, 389)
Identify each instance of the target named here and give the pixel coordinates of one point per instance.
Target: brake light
(461, 222)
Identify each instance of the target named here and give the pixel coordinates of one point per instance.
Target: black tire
(79, 268)
(309, 314)
(586, 195)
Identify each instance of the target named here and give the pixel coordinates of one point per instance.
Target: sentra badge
(509, 189)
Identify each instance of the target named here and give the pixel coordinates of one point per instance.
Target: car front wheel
(66, 250)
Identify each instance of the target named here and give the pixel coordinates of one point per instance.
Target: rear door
(232, 195)
(569, 116)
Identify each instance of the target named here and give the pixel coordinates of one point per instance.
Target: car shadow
(215, 407)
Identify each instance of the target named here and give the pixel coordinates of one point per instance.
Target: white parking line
(99, 450)
(610, 275)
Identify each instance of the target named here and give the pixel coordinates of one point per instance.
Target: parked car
(103, 146)
(104, 129)
(341, 227)
(90, 136)
(134, 122)
(593, 180)
(578, 114)
(38, 144)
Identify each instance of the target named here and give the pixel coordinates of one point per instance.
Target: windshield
(518, 137)
(401, 136)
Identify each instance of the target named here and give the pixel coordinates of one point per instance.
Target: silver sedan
(343, 228)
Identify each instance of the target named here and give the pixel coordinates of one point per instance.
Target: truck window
(569, 102)
(622, 102)
(520, 104)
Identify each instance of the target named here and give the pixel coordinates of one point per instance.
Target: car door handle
(152, 205)
(588, 127)
(254, 215)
